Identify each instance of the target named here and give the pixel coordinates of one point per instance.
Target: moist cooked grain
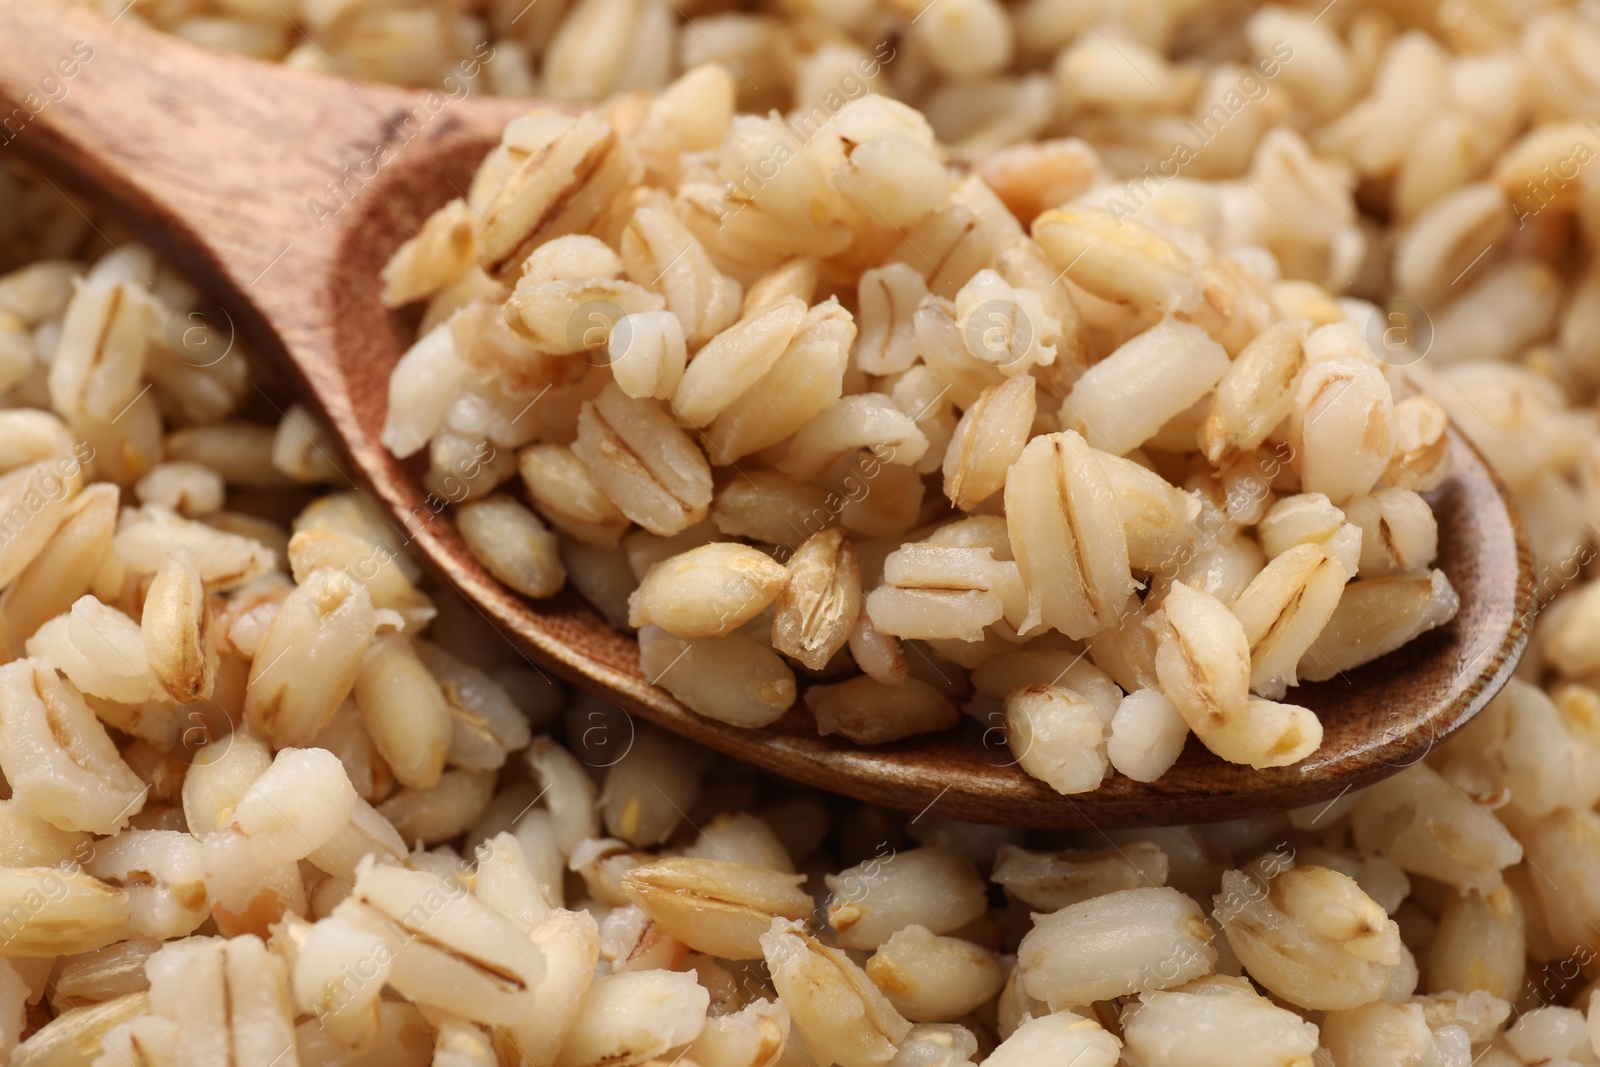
(944, 373)
(1032, 232)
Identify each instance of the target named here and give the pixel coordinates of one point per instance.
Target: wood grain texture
(214, 159)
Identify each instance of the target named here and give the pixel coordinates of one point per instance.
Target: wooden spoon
(218, 162)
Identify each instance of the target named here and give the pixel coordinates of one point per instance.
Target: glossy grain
(282, 194)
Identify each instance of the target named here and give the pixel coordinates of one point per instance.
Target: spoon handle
(264, 185)
(212, 156)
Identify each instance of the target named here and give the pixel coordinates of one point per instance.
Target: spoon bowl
(282, 195)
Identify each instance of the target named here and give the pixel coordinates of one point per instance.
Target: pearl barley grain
(514, 545)
(708, 591)
(1058, 737)
(929, 887)
(1126, 941)
(1147, 734)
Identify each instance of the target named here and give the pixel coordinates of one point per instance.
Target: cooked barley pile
(273, 798)
(831, 397)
